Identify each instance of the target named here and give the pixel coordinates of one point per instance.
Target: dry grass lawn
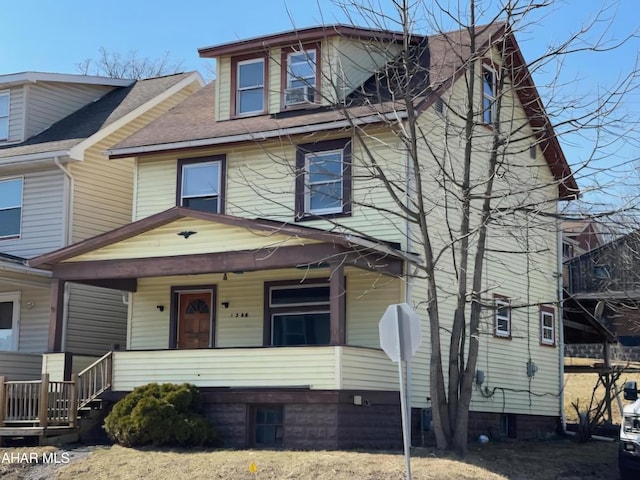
(554, 459)
(580, 386)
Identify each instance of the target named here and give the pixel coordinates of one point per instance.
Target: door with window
(195, 319)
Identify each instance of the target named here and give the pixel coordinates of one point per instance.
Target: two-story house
(57, 187)
(263, 254)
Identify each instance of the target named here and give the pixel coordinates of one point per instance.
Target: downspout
(67, 230)
(563, 418)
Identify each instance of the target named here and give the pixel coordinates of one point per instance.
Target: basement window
(268, 426)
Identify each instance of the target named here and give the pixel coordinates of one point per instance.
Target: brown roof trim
(299, 35)
(176, 213)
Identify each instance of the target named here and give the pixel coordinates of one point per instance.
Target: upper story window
(323, 181)
(250, 86)
(10, 207)
(502, 317)
(301, 77)
(489, 94)
(4, 116)
(201, 183)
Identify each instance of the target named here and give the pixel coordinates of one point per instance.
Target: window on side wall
(502, 317)
(268, 426)
(299, 314)
(489, 94)
(10, 207)
(4, 116)
(201, 183)
(301, 77)
(9, 314)
(323, 179)
(250, 89)
(547, 325)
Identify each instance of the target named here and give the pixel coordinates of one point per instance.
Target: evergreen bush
(165, 414)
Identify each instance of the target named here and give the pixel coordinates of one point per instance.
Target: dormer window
(301, 78)
(250, 86)
(4, 116)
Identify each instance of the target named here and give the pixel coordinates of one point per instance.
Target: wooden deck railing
(94, 380)
(39, 403)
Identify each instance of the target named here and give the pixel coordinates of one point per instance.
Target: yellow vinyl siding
(241, 324)
(312, 367)
(317, 368)
(274, 80)
(223, 88)
(261, 183)
(209, 238)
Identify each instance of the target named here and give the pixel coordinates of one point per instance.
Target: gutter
(246, 137)
(24, 269)
(68, 202)
(34, 158)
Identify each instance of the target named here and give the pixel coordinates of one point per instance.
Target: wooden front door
(194, 320)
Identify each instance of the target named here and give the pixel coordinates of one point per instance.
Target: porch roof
(181, 241)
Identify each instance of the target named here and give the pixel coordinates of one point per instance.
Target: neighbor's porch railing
(39, 403)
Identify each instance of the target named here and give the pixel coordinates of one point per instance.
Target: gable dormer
(30, 102)
(296, 70)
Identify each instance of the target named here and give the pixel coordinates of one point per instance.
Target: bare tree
(479, 191)
(129, 65)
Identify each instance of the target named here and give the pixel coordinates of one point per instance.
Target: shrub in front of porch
(165, 414)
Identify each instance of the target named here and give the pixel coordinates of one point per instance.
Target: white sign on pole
(400, 338)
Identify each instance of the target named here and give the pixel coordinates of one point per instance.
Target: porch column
(337, 304)
(56, 301)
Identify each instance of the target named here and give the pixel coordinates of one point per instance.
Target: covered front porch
(222, 301)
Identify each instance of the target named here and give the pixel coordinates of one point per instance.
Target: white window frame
(218, 194)
(489, 112)
(308, 184)
(13, 297)
(260, 87)
(549, 313)
(499, 303)
(20, 205)
(310, 81)
(4, 136)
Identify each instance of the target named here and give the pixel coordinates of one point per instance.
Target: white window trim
(15, 325)
(253, 87)
(186, 166)
(21, 205)
(6, 93)
(308, 184)
(547, 313)
(291, 78)
(497, 303)
(493, 98)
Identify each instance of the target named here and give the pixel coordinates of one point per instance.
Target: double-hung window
(10, 207)
(301, 77)
(547, 325)
(489, 95)
(4, 116)
(299, 314)
(201, 184)
(250, 86)
(502, 317)
(323, 182)
(9, 312)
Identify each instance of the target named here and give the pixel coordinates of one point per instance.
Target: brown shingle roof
(83, 123)
(192, 124)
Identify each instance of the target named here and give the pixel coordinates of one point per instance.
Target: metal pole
(403, 398)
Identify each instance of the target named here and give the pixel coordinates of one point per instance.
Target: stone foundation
(594, 350)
